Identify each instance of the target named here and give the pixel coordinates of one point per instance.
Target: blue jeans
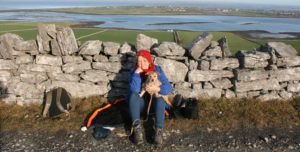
(137, 105)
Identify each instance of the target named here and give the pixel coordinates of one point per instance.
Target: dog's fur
(152, 79)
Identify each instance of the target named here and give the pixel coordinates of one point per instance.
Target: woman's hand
(139, 68)
(151, 89)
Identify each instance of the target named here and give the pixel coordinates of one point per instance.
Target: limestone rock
(7, 43)
(197, 86)
(204, 65)
(7, 65)
(117, 58)
(252, 94)
(67, 41)
(220, 64)
(202, 93)
(90, 48)
(126, 49)
(207, 85)
(39, 68)
(46, 32)
(72, 59)
(80, 90)
(63, 77)
(33, 77)
(183, 85)
(4, 77)
(27, 90)
(214, 44)
(169, 49)
(253, 59)
(285, 95)
(27, 46)
(100, 58)
(48, 60)
(111, 48)
(282, 49)
(145, 42)
(197, 75)
(229, 94)
(288, 61)
(214, 52)
(114, 67)
(12, 84)
(223, 83)
(271, 84)
(250, 75)
(55, 49)
(193, 65)
(199, 45)
(175, 71)
(286, 74)
(76, 67)
(269, 96)
(211, 93)
(294, 87)
(95, 76)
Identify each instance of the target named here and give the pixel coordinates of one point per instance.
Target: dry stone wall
(205, 69)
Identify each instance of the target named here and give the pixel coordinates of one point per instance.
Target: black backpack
(186, 108)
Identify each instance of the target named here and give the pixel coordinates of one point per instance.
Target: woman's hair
(146, 54)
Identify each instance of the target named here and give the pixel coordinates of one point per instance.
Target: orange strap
(92, 117)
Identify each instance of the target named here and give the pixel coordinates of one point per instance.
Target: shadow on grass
(224, 114)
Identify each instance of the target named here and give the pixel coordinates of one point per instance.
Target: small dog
(152, 79)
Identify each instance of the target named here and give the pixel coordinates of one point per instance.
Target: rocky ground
(175, 140)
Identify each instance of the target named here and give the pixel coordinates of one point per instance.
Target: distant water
(154, 22)
(39, 4)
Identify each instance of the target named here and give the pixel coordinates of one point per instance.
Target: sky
(274, 2)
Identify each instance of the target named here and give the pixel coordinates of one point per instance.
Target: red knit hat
(146, 54)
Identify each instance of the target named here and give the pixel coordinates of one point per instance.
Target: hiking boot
(137, 134)
(158, 139)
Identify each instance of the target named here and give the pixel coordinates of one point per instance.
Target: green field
(236, 42)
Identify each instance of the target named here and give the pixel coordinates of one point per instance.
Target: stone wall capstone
(206, 69)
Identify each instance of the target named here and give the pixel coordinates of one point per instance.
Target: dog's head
(152, 76)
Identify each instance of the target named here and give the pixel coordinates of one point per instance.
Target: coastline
(65, 10)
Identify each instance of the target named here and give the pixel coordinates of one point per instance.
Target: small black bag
(191, 109)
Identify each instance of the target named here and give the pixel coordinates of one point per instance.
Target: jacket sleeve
(166, 86)
(135, 82)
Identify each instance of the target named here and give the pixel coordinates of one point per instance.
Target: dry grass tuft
(227, 114)
(223, 114)
(29, 117)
